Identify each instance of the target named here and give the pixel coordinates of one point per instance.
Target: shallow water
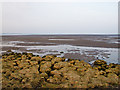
(108, 54)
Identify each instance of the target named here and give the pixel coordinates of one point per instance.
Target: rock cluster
(29, 71)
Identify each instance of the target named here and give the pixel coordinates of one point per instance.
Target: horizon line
(59, 34)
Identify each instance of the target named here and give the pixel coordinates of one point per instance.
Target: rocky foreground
(29, 71)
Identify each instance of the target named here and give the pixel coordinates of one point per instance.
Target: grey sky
(60, 17)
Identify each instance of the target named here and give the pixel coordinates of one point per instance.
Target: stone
(60, 65)
(56, 59)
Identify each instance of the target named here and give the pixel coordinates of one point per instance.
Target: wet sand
(76, 40)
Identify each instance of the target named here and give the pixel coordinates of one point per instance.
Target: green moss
(50, 85)
(29, 71)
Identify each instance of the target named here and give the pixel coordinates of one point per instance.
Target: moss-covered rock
(29, 71)
(101, 64)
(112, 78)
(60, 65)
(56, 60)
(36, 58)
(45, 67)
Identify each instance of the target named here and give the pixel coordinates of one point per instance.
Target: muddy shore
(76, 40)
(68, 46)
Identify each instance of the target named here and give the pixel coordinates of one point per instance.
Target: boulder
(101, 64)
(56, 60)
(60, 65)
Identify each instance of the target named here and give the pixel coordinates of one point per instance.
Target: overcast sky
(60, 17)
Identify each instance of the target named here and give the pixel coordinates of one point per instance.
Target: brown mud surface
(24, 42)
(77, 40)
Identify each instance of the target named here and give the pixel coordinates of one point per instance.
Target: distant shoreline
(60, 34)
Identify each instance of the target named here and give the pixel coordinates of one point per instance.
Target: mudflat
(107, 41)
(68, 46)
